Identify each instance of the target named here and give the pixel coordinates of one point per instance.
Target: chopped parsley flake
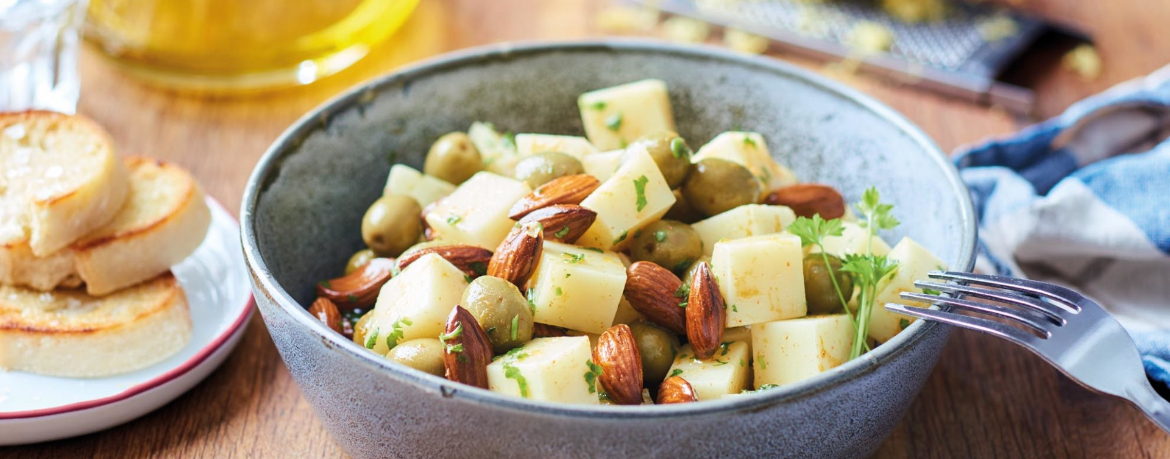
(559, 292)
(929, 291)
(760, 359)
(453, 219)
(515, 326)
(614, 122)
(621, 237)
(599, 105)
(640, 189)
(720, 363)
(676, 372)
(511, 372)
(457, 332)
(683, 292)
(591, 375)
(903, 323)
(660, 236)
(573, 257)
(396, 331)
(734, 308)
(679, 148)
(724, 347)
(372, 340)
(325, 284)
(595, 249)
(561, 233)
(467, 278)
(742, 363)
(749, 141)
(531, 302)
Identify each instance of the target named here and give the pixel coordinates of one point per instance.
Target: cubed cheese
(725, 373)
(787, 351)
(743, 221)
(547, 369)
(603, 165)
(748, 149)
(739, 334)
(616, 116)
(425, 189)
(476, 213)
(634, 197)
(415, 303)
(497, 151)
(852, 240)
(761, 278)
(576, 288)
(914, 262)
(577, 147)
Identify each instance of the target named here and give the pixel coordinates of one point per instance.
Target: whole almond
(359, 288)
(470, 259)
(516, 258)
(675, 389)
(570, 189)
(658, 295)
(467, 351)
(706, 316)
(325, 311)
(562, 222)
(808, 199)
(621, 365)
(548, 331)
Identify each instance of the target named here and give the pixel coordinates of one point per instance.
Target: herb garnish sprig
(869, 270)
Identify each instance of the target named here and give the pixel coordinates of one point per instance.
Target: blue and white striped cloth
(1083, 200)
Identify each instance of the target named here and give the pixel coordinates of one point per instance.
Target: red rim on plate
(157, 381)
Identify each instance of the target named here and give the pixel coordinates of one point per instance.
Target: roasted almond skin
(621, 365)
(706, 313)
(467, 351)
(562, 222)
(326, 311)
(676, 390)
(360, 288)
(808, 199)
(548, 331)
(570, 189)
(652, 290)
(516, 258)
(472, 260)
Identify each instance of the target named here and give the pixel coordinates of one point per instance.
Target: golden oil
(240, 45)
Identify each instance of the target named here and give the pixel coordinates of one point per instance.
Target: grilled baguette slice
(59, 180)
(69, 333)
(164, 220)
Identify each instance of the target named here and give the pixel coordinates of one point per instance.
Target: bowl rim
(318, 118)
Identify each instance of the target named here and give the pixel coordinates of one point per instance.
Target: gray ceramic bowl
(304, 203)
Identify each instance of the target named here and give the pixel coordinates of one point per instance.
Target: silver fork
(1071, 332)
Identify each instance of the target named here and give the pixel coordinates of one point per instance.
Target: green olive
(689, 277)
(682, 211)
(670, 153)
(667, 243)
(538, 169)
(392, 224)
(819, 291)
(718, 185)
(453, 158)
(359, 328)
(423, 354)
(657, 347)
(359, 259)
(502, 312)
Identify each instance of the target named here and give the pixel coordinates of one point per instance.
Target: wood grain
(985, 399)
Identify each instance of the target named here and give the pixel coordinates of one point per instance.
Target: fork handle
(1151, 402)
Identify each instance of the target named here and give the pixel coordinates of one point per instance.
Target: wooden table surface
(985, 399)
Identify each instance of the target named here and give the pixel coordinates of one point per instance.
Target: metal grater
(949, 55)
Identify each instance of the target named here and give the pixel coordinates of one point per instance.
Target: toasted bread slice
(59, 180)
(69, 333)
(164, 220)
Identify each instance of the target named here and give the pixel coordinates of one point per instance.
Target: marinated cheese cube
(635, 196)
(914, 262)
(787, 351)
(749, 150)
(497, 151)
(547, 369)
(577, 147)
(852, 240)
(476, 213)
(415, 303)
(577, 288)
(603, 165)
(726, 373)
(743, 221)
(761, 278)
(614, 117)
(425, 189)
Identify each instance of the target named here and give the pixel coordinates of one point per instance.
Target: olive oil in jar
(240, 45)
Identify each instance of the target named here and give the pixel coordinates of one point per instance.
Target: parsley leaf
(679, 148)
(573, 257)
(614, 122)
(453, 219)
(813, 231)
(640, 189)
(591, 375)
(599, 105)
(515, 326)
(561, 233)
(621, 237)
(676, 372)
(868, 270)
(749, 141)
(660, 236)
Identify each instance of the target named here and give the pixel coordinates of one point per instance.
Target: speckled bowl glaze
(304, 203)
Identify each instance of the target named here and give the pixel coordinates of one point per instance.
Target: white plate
(37, 408)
